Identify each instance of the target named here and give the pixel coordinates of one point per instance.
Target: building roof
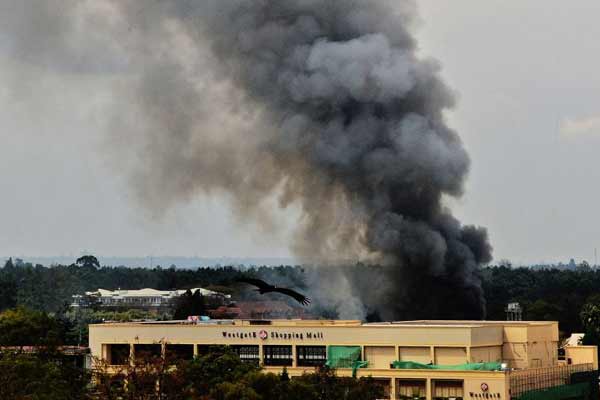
(149, 292)
(356, 323)
(574, 340)
(425, 322)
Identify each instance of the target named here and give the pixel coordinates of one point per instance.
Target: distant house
(146, 299)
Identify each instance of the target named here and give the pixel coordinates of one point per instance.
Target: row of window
(139, 300)
(415, 389)
(283, 355)
(118, 354)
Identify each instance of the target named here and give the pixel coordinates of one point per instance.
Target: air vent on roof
(260, 322)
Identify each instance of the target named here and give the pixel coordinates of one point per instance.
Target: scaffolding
(541, 379)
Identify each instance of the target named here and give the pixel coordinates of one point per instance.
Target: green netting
(579, 391)
(345, 357)
(489, 366)
(342, 356)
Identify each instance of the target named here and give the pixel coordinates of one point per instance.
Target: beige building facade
(398, 354)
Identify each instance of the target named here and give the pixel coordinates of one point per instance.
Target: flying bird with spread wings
(264, 287)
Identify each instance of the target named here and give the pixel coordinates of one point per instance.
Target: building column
(393, 389)
(195, 350)
(131, 353)
(469, 354)
(428, 389)
(294, 363)
(260, 355)
(432, 354)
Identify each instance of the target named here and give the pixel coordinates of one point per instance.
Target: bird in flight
(264, 287)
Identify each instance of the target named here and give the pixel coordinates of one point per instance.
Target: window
(413, 389)
(278, 355)
(445, 390)
(178, 352)
(118, 354)
(147, 351)
(385, 384)
(311, 355)
(247, 353)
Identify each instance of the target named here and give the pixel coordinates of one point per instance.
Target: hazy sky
(527, 77)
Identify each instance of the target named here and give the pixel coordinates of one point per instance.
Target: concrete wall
(380, 356)
(542, 354)
(486, 354)
(582, 355)
(450, 355)
(417, 354)
(515, 355)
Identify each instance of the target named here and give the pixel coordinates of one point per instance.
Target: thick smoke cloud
(324, 105)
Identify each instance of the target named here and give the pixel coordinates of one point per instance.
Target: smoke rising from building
(323, 105)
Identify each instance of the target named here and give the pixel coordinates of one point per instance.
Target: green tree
(590, 318)
(24, 327)
(234, 391)
(218, 366)
(541, 310)
(88, 261)
(189, 304)
(41, 377)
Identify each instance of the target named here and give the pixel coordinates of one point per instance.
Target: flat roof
(338, 323)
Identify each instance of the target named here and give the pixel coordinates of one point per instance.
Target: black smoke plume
(322, 104)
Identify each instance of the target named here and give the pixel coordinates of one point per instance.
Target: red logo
(263, 335)
(484, 387)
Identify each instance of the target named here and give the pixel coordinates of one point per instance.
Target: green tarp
(490, 366)
(345, 357)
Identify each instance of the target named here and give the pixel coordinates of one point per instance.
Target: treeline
(50, 288)
(548, 294)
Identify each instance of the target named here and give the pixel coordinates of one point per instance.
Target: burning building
(411, 360)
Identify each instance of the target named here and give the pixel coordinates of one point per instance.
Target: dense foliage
(189, 304)
(547, 294)
(220, 375)
(50, 288)
(41, 376)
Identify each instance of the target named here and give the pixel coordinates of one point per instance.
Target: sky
(528, 87)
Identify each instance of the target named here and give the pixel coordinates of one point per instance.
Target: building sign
(264, 335)
(484, 395)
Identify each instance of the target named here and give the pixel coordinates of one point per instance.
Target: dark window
(147, 351)
(178, 352)
(203, 349)
(411, 389)
(118, 354)
(278, 355)
(247, 353)
(311, 355)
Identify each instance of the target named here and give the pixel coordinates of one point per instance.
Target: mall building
(411, 359)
